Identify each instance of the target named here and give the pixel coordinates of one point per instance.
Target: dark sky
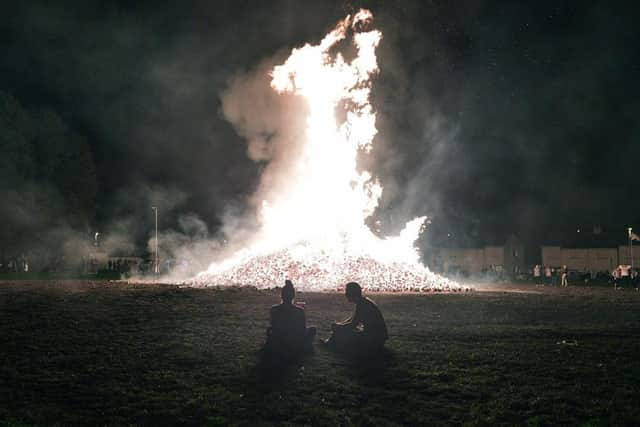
(494, 117)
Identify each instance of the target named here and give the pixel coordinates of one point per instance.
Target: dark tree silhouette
(47, 178)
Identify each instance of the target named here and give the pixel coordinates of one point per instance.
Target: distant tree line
(48, 181)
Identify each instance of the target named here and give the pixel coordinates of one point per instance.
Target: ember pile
(321, 272)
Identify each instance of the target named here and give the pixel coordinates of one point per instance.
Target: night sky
(494, 117)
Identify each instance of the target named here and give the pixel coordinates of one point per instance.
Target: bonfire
(314, 227)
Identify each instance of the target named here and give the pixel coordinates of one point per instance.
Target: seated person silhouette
(288, 335)
(363, 332)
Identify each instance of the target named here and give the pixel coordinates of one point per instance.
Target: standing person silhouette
(563, 276)
(365, 331)
(288, 335)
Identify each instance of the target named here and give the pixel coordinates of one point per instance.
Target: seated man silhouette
(363, 332)
(288, 335)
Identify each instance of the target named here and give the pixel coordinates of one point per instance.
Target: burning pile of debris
(321, 272)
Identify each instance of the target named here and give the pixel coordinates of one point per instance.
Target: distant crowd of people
(60, 263)
(123, 265)
(625, 275)
(15, 265)
(545, 274)
(288, 336)
(559, 276)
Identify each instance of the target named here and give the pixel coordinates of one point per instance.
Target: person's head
(353, 292)
(288, 292)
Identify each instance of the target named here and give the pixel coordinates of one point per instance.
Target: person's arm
(345, 323)
(352, 321)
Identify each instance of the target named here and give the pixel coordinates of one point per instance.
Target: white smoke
(273, 125)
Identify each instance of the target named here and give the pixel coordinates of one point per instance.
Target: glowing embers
(322, 272)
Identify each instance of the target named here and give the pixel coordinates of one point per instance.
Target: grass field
(97, 353)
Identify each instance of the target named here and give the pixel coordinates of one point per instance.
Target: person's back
(288, 327)
(547, 275)
(374, 328)
(288, 334)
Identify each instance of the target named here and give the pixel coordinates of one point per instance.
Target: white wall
(552, 256)
(591, 259)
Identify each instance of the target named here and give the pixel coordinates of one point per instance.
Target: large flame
(315, 232)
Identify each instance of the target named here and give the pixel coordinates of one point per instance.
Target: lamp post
(630, 248)
(155, 267)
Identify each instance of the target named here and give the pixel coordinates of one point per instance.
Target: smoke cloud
(272, 124)
(492, 118)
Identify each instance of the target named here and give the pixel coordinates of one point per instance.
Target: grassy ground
(116, 354)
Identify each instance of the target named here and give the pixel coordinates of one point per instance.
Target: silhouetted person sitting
(363, 332)
(288, 335)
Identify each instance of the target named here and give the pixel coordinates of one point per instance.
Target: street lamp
(630, 247)
(155, 268)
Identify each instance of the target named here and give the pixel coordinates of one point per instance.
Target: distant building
(507, 257)
(589, 252)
